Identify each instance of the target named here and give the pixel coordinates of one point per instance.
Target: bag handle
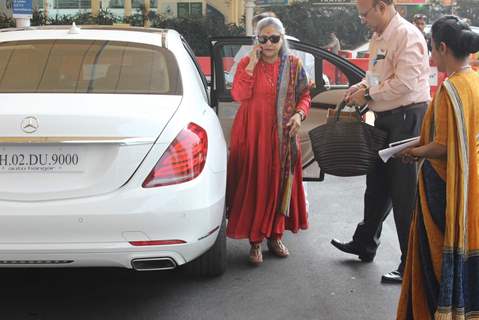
(359, 111)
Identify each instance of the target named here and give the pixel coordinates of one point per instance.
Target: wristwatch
(366, 95)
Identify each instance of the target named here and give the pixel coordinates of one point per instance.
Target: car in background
(110, 153)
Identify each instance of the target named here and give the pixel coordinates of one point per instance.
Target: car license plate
(41, 159)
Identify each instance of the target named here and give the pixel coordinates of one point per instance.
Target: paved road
(315, 282)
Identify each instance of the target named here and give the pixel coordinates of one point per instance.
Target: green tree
(6, 22)
(197, 30)
(312, 23)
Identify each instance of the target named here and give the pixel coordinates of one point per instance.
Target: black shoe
(392, 277)
(352, 248)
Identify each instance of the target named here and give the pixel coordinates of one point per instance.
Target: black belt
(402, 109)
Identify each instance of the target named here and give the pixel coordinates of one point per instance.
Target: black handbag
(347, 148)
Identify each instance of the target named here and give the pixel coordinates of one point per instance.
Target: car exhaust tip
(153, 264)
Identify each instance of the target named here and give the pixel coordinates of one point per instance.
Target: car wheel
(213, 262)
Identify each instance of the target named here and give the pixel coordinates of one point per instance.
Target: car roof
(153, 36)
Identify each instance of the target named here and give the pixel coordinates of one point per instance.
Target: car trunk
(60, 146)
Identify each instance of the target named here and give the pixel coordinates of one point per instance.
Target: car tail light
(183, 161)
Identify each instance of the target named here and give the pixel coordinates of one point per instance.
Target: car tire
(212, 263)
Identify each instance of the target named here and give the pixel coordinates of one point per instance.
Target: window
(137, 3)
(190, 9)
(73, 4)
(117, 4)
(334, 77)
(231, 56)
(120, 4)
(87, 66)
(198, 68)
(308, 62)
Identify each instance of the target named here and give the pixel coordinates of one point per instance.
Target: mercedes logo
(30, 124)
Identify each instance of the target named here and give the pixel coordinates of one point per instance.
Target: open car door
(332, 75)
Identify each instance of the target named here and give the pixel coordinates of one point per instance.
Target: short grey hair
(278, 25)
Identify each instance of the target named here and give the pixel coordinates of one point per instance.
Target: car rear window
(87, 66)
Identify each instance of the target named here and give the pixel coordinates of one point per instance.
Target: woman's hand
(408, 155)
(294, 124)
(253, 58)
(431, 150)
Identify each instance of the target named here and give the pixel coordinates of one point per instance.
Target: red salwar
(254, 167)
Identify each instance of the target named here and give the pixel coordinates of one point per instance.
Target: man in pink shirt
(396, 88)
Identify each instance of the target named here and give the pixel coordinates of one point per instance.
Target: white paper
(386, 154)
(396, 143)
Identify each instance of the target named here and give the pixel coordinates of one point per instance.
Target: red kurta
(254, 168)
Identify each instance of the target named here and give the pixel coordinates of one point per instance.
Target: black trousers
(391, 185)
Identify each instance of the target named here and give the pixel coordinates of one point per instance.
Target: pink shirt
(400, 66)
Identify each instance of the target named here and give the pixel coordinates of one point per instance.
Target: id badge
(372, 79)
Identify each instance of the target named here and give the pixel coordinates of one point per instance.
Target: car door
(332, 75)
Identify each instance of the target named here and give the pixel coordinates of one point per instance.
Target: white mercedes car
(110, 154)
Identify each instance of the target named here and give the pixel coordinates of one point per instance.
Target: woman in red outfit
(265, 194)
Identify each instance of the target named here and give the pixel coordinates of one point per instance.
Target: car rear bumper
(97, 254)
(98, 231)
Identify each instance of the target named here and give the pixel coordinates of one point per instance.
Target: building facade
(231, 10)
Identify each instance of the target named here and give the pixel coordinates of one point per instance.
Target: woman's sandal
(255, 254)
(278, 248)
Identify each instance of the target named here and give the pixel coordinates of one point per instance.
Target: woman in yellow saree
(441, 280)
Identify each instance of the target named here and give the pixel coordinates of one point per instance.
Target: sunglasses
(273, 39)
